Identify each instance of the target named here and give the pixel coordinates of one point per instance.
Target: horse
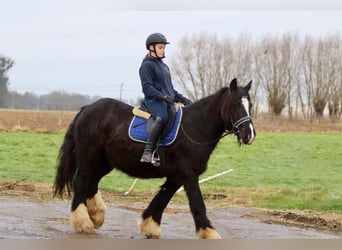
(97, 142)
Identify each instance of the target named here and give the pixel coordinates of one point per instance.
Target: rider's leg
(159, 111)
(152, 140)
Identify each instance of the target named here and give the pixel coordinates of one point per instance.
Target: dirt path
(24, 218)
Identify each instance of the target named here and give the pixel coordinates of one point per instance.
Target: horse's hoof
(81, 221)
(97, 210)
(208, 233)
(150, 228)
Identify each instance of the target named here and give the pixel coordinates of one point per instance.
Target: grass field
(285, 170)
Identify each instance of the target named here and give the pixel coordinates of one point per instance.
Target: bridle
(239, 122)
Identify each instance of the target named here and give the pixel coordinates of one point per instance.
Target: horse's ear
(233, 84)
(248, 86)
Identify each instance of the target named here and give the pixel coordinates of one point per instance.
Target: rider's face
(160, 49)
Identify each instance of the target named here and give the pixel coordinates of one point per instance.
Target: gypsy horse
(97, 141)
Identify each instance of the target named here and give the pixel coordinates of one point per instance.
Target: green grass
(278, 171)
(291, 170)
(29, 156)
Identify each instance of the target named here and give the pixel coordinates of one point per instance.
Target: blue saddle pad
(137, 130)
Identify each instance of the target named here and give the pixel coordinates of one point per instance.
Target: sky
(95, 47)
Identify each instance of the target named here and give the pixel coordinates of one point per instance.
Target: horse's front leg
(151, 217)
(204, 229)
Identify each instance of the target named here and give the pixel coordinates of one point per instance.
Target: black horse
(97, 142)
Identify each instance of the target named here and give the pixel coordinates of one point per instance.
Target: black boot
(151, 140)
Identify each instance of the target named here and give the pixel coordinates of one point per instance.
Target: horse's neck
(204, 121)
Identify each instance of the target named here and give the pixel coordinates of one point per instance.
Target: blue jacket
(156, 80)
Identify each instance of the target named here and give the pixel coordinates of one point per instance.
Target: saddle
(142, 121)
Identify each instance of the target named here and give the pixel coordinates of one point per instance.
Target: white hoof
(150, 228)
(208, 233)
(97, 210)
(81, 221)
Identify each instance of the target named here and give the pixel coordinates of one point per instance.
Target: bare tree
(291, 46)
(334, 73)
(5, 64)
(319, 82)
(274, 70)
(190, 67)
(307, 74)
(289, 73)
(321, 73)
(205, 64)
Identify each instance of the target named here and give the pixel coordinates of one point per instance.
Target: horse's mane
(213, 98)
(212, 102)
(209, 106)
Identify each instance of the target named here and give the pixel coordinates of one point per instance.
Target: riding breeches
(157, 108)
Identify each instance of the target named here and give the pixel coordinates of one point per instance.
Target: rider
(158, 89)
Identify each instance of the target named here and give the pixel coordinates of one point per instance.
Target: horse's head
(236, 113)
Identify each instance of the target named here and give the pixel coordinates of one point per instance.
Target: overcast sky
(95, 47)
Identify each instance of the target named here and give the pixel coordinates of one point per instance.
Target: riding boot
(152, 140)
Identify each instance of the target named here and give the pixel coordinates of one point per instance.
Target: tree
(192, 66)
(320, 84)
(307, 75)
(5, 64)
(274, 69)
(316, 62)
(291, 73)
(290, 46)
(205, 64)
(334, 74)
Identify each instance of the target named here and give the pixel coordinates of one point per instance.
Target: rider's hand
(168, 99)
(186, 102)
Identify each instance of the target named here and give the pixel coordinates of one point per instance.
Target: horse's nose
(247, 139)
(250, 138)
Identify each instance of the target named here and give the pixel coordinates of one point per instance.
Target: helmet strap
(155, 52)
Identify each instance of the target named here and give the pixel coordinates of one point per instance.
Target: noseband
(239, 122)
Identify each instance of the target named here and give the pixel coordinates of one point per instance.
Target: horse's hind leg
(151, 218)
(95, 206)
(80, 218)
(88, 208)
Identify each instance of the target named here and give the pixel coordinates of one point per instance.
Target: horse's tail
(66, 167)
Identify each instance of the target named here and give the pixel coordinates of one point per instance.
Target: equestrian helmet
(155, 38)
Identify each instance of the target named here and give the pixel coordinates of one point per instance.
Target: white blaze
(245, 104)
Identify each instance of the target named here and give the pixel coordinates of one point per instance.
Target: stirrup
(155, 158)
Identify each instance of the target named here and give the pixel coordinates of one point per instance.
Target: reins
(235, 131)
(206, 143)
